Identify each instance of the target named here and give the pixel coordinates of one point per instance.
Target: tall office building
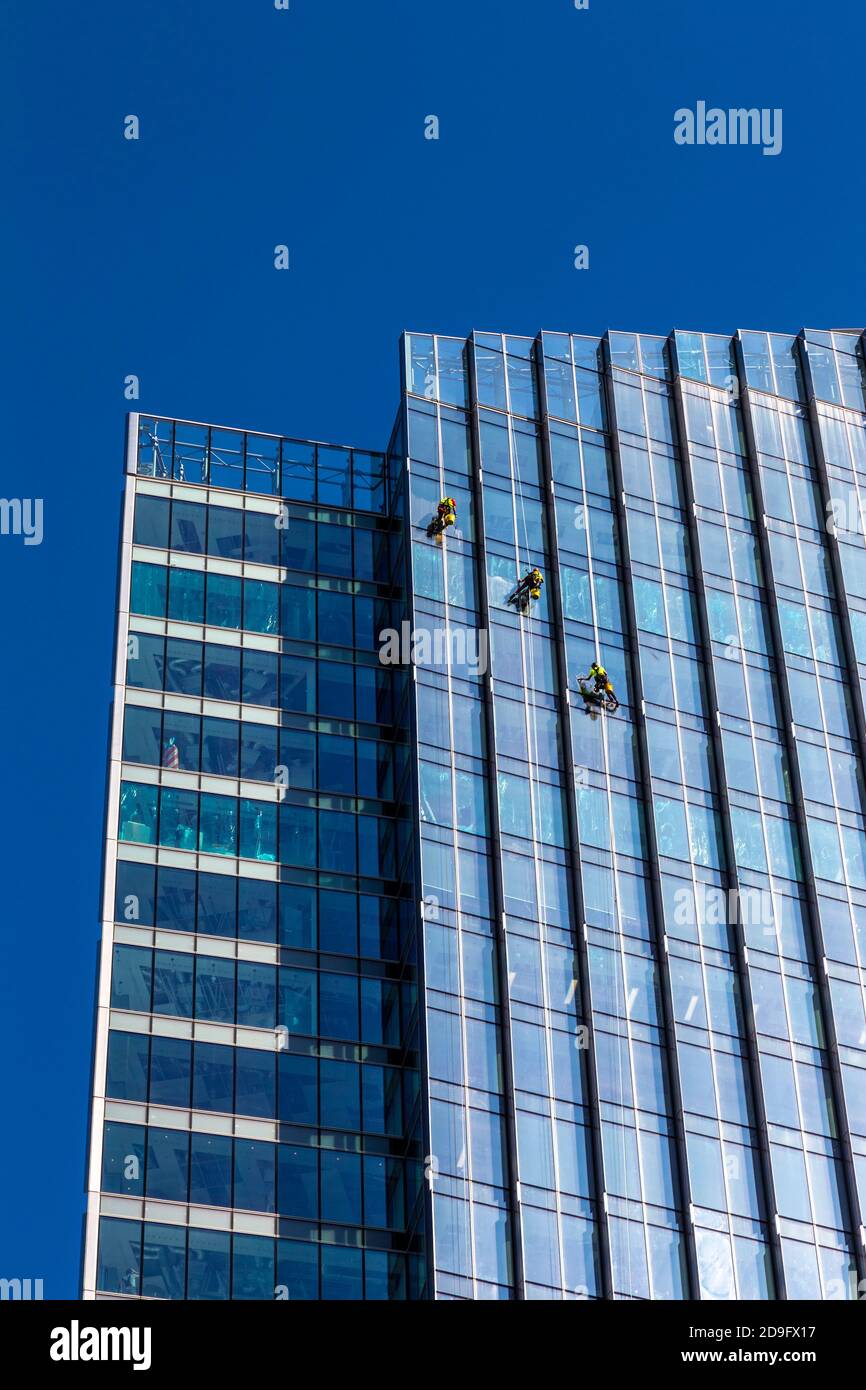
(423, 976)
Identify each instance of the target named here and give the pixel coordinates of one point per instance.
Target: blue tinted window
(260, 678)
(298, 1182)
(335, 618)
(131, 977)
(225, 532)
(297, 835)
(172, 984)
(258, 830)
(297, 916)
(181, 741)
(298, 612)
(210, 1170)
(298, 756)
(134, 893)
(127, 1065)
(183, 666)
(258, 751)
(175, 909)
(338, 1006)
(252, 1267)
(256, 1083)
(213, 1077)
(186, 595)
(255, 1175)
(341, 1187)
(261, 606)
(138, 813)
(168, 1164)
(341, 1095)
(151, 521)
(217, 914)
(215, 989)
(141, 735)
(298, 1269)
(257, 910)
(335, 550)
(123, 1159)
(119, 1268)
(219, 746)
(257, 1000)
(337, 849)
(297, 1000)
(218, 824)
(339, 923)
(223, 601)
(145, 660)
(298, 1091)
(163, 1261)
(222, 672)
(178, 815)
(298, 685)
(262, 538)
(149, 589)
(299, 545)
(170, 1071)
(188, 522)
(208, 1265)
(341, 1273)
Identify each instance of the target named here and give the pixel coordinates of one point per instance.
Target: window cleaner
(528, 588)
(602, 692)
(446, 515)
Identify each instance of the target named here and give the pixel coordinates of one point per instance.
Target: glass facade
(423, 978)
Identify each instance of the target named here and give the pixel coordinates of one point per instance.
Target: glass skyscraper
(423, 977)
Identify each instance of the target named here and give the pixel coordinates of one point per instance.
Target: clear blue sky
(155, 257)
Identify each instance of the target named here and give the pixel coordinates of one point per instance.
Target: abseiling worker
(530, 584)
(600, 679)
(446, 512)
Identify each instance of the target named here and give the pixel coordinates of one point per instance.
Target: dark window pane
(172, 984)
(167, 1164)
(175, 903)
(145, 660)
(151, 521)
(255, 1175)
(298, 1091)
(134, 893)
(217, 914)
(119, 1256)
(215, 989)
(298, 1182)
(222, 672)
(257, 910)
(188, 527)
(299, 545)
(225, 533)
(223, 601)
(123, 1159)
(127, 1065)
(260, 678)
(297, 916)
(213, 1077)
(256, 1083)
(163, 1261)
(131, 976)
(183, 666)
(210, 1170)
(257, 995)
(208, 1265)
(262, 538)
(170, 1071)
(219, 746)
